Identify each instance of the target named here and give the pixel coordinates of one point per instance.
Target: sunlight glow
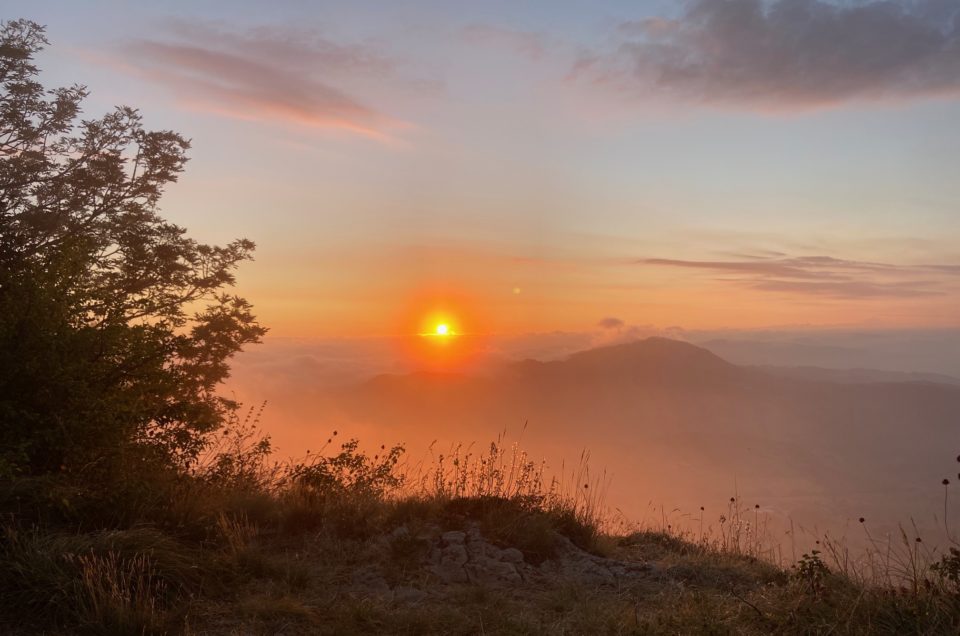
(443, 330)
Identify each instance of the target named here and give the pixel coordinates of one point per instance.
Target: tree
(116, 328)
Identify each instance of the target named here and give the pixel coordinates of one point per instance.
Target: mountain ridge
(661, 359)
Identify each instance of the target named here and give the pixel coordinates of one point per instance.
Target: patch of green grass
(103, 583)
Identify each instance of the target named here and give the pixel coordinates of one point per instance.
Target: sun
(439, 327)
(445, 340)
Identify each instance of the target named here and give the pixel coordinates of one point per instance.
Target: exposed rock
(459, 557)
(453, 537)
(511, 555)
(462, 557)
(491, 572)
(452, 557)
(578, 564)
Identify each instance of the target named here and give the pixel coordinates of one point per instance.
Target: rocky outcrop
(462, 557)
(580, 566)
(457, 557)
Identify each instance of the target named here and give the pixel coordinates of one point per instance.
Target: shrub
(343, 493)
(812, 572)
(115, 327)
(947, 570)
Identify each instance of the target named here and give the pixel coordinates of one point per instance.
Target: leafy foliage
(115, 327)
(812, 572)
(349, 471)
(948, 569)
(237, 457)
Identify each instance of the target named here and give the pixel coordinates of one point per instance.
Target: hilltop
(484, 547)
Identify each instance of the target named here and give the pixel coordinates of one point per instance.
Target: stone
(450, 573)
(490, 572)
(453, 554)
(457, 557)
(452, 557)
(585, 568)
(453, 537)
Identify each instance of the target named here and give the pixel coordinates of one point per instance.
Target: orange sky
(406, 291)
(537, 167)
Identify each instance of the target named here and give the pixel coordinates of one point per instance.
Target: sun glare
(440, 326)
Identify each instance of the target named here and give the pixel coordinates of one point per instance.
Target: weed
(947, 570)
(812, 573)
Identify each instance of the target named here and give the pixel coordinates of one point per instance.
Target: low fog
(817, 428)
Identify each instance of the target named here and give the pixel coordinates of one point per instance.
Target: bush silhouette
(115, 327)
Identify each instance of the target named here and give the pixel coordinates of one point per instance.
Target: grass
(244, 545)
(108, 582)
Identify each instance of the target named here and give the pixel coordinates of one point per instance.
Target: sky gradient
(537, 167)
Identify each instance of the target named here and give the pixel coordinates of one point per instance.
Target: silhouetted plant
(812, 572)
(237, 457)
(948, 570)
(350, 471)
(115, 327)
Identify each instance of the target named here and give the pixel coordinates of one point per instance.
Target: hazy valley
(675, 427)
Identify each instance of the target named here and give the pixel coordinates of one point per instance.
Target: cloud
(786, 54)
(286, 75)
(617, 331)
(611, 323)
(305, 365)
(851, 289)
(825, 276)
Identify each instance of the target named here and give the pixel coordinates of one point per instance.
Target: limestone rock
(579, 565)
(458, 557)
(492, 572)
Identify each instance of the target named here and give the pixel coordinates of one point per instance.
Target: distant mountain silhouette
(653, 360)
(674, 420)
(930, 351)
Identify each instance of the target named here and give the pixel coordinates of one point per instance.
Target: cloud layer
(787, 54)
(283, 75)
(825, 276)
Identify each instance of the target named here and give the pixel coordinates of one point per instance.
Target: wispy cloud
(786, 54)
(825, 276)
(287, 75)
